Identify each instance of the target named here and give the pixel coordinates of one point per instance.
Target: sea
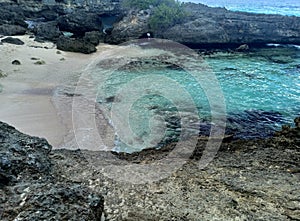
(284, 7)
(152, 99)
(148, 99)
(261, 89)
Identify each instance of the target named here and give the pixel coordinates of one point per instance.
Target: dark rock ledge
(207, 27)
(31, 190)
(248, 180)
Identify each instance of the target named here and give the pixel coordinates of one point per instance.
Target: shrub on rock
(167, 15)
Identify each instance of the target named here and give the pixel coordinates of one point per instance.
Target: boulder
(132, 26)
(47, 31)
(49, 14)
(75, 45)
(11, 40)
(94, 37)
(80, 22)
(10, 30)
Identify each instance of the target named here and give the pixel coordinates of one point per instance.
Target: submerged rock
(242, 48)
(253, 124)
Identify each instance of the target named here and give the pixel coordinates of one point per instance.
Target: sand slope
(27, 96)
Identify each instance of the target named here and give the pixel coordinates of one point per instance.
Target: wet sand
(27, 97)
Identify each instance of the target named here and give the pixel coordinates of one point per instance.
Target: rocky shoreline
(79, 26)
(247, 180)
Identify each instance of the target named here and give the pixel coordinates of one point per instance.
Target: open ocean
(284, 7)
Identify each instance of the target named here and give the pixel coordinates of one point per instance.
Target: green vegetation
(140, 4)
(165, 16)
(165, 13)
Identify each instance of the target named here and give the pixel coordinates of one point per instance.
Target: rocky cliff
(202, 27)
(214, 27)
(52, 19)
(220, 26)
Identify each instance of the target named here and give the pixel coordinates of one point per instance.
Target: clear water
(267, 79)
(285, 7)
(261, 90)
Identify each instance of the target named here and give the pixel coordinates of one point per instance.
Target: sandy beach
(27, 96)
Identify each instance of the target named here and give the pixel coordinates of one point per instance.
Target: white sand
(37, 99)
(26, 100)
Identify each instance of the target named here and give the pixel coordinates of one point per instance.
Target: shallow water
(260, 88)
(151, 98)
(266, 79)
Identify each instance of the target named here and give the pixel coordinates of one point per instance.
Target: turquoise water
(286, 7)
(261, 90)
(160, 95)
(267, 79)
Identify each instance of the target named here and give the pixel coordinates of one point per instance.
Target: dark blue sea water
(284, 7)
